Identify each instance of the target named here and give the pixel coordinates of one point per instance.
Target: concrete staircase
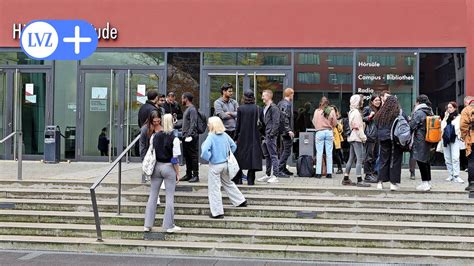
(281, 222)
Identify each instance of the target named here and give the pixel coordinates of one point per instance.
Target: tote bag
(149, 161)
(232, 164)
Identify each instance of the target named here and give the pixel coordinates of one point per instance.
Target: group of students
(252, 133)
(381, 132)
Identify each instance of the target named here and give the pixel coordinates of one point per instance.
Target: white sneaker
(450, 178)
(380, 186)
(264, 178)
(424, 186)
(274, 179)
(174, 229)
(394, 187)
(146, 229)
(457, 179)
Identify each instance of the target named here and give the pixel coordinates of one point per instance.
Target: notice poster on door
(141, 93)
(99, 93)
(30, 96)
(98, 101)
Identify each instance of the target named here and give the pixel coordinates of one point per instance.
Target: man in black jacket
(190, 139)
(271, 120)
(286, 129)
(172, 107)
(149, 106)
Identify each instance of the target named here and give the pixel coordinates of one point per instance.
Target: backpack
(201, 122)
(433, 129)
(346, 128)
(400, 132)
(305, 166)
(449, 134)
(282, 118)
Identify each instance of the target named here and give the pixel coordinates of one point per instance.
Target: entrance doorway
(108, 104)
(26, 104)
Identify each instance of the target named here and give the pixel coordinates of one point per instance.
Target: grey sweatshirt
(222, 107)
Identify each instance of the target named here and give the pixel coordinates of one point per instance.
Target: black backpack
(201, 122)
(305, 166)
(346, 128)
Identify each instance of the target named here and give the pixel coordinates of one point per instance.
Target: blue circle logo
(58, 39)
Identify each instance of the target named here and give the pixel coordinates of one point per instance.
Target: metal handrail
(99, 180)
(8, 137)
(19, 173)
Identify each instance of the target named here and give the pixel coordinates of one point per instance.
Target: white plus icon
(77, 39)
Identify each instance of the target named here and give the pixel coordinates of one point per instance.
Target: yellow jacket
(338, 139)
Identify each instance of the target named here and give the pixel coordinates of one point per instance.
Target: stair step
(255, 210)
(248, 236)
(261, 189)
(257, 223)
(126, 246)
(255, 199)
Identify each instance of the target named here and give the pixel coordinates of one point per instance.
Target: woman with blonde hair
(215, 149)
(167, 150)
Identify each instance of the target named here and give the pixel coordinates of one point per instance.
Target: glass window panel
(308, 59)
(65, 104)
(309, 78)
(20, 58)
(340, 60)
(121, 58)
(378, 71)
(247, 58)
(184, 72)
(340, 78)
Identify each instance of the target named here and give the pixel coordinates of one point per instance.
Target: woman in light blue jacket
(215, 150)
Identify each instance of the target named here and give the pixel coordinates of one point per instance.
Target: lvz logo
(58, 39)
(34, 39)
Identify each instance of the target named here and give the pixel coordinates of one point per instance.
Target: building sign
(105, 33)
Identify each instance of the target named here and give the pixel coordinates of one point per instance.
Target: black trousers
(285, 144)
(425, 170)
(470, 166)
(337, 158)
(191, 155)
(371, 155)
(250, 177)
(390, 166)
(412, 163)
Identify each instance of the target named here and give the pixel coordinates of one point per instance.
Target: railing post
(119, 186)
(96, 215)
(20, 156)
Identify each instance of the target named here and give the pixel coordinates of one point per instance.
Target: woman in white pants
(167, 150)
(451, 143)
(215, 150)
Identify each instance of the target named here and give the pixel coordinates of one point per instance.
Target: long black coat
(421, 148)
(249, 152)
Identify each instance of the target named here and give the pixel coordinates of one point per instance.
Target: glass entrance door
(242, 80)
(108, 115)
(26, 105)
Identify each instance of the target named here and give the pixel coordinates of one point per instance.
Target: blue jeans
(324, 142)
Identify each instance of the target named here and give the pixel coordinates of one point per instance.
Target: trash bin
(52, 144)
(70, 142)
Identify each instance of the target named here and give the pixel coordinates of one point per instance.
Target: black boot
(194, 179)
(186, 177)
(251, 178)
(238, 178)
(470, 187)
